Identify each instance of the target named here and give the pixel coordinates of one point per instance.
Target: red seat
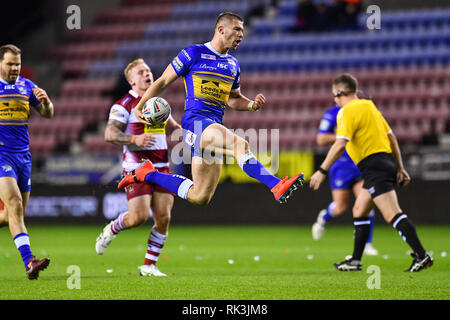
(84, 87)
(97, 144)
(76, 68)
(135, 14)
(42, 145)
(110, 32)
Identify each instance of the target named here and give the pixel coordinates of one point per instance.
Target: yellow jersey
(364, 127)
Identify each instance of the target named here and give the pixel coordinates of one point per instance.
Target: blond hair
(131, 65)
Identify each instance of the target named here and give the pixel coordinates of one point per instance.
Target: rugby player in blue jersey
(17, 96)
(212, 82)
(344, 176)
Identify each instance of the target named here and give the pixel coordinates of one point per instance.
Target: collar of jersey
(6, 82)
(210, 47)
(134, 93)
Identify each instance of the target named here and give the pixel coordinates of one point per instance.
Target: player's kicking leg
(219, 140)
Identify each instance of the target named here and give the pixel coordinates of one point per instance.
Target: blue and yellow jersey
(15, 101)
(209, 78)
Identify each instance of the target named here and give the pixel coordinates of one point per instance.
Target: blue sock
(175, 183)
(330, 213)
(372, 222)
(255, 169)
(22, 241)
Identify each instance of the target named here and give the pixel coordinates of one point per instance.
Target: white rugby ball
(156, 110)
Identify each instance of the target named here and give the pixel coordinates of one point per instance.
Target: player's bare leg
(138, 211)
(137, 214)
(218, 139)
(15, 203)
(162, 204)
(205, 176)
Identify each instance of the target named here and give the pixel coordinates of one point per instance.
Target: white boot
(318, 227)
(150, 270)
(370, 250)
(104, 239)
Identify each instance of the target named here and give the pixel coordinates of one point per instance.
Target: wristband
(323, 171)
(133, 139)
(250, 106)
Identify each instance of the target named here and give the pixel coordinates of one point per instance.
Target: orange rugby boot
(283, 190)
(137, 175)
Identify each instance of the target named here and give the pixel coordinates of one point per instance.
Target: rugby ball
(156, 110)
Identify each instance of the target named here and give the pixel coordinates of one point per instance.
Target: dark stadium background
(404, 66)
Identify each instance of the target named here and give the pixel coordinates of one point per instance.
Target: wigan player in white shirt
(140, 142)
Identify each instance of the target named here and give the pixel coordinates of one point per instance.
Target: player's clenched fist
(41, 95)
(259, 101)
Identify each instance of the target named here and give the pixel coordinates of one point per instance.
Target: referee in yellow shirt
(373, 147)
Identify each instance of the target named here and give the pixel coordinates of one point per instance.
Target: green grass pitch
(289, 265)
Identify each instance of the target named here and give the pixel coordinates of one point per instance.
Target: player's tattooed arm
(114, 133)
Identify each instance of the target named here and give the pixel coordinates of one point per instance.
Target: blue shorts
(343, 175)
(193, 125)
(18, 166)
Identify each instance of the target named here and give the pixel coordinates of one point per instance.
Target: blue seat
(104, 69)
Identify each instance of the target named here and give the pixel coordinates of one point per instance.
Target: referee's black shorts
(379, 172)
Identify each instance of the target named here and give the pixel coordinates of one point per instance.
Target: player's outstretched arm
(114, 133)
(45, 108)
(155, 90)
(238, 101)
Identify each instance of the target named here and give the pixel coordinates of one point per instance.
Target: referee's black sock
(408, 232)
(361, 234)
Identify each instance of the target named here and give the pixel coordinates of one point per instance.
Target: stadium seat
(42, 145)
(97, 144)
(113, 32)
(135, 14)
(86, 87)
